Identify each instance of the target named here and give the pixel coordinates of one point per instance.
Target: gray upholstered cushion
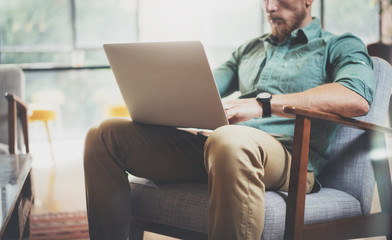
(11, 80)
(4, 148)
(186, 206)
(350, 169)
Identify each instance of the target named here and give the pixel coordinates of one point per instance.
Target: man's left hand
(241, 110)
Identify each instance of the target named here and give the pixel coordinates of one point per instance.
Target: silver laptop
(167, 83)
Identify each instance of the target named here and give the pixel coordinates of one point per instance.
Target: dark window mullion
(73, 23)
(322, 13)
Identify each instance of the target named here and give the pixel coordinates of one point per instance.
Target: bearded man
(297, 64)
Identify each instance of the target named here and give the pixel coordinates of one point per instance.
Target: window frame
(74, 48)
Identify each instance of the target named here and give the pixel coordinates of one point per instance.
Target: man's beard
(283, 30)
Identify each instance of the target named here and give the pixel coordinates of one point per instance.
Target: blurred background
(70, 86)
(59, 44)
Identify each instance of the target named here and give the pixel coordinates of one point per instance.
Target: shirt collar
(309, 32)
(304, 34)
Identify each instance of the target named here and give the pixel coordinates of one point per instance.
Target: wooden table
(16, 196)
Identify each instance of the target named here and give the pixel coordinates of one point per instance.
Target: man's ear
(308, 3)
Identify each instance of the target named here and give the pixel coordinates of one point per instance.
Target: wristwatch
(265, 99)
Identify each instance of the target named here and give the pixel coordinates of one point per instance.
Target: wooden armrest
(20, 102)
(16, 105)
(297, 190)
(336, 118)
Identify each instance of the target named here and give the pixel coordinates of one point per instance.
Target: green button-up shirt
(308, 58)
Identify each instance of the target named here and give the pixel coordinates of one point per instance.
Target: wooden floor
(59, 182)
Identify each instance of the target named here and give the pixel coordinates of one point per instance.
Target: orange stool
(45, 115)
(116, 111)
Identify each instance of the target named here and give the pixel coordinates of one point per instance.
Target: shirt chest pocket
(248, 71)
(300, 73)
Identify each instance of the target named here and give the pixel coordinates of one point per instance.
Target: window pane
(95, 57)
(35, 23)
(227, 24)
(359, 17)
(40, 31)
(79, 98)
(170, 20)
(99, 22)
(316, 9)
(221, 25)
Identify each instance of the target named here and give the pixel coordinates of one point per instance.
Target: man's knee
(97, 133)
(222, 142)
(228, 151)
(91, 143)
(100, 137)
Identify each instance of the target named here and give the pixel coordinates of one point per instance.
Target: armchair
(12, 84)
(340, 210)
(15, 168)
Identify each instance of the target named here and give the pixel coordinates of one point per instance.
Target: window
(47, 33)
(59, 43)
(30, 33)
(99, 22)
(359, 17)
(222, 25)
(79, 98)
(58, 33)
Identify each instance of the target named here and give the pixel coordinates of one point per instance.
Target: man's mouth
(275, 20)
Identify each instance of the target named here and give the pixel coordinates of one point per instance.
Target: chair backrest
(349, 168)
(11, 80)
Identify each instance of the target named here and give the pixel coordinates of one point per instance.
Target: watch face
(264, 95)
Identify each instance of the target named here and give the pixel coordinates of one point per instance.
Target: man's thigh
(159, 153)
(256, 149)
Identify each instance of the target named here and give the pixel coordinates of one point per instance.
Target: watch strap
(266, 108)
(265, 100)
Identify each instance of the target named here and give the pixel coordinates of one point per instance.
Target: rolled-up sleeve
(351, 65)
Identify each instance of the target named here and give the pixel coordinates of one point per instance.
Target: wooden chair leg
(12, 126)
(134, 232)
(298, 173)
(383, 176)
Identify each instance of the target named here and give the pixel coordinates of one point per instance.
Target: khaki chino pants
(239, 163)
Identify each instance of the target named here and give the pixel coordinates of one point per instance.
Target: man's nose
(271, 5)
